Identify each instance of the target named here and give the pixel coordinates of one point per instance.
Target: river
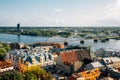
(111, 44)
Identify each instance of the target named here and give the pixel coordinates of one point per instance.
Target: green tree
(29, 76)
(12, 76)
(2, 53)
(3, 50)
(39, 73)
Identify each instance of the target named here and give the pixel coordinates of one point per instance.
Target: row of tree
(47, 33)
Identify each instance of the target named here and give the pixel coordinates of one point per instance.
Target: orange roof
(91, 75)
(5, 64)
(69, 57)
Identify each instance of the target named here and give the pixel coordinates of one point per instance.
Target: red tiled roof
(69, 57)
(5, 64)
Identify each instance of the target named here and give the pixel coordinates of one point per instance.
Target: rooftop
(90, 74)
(31, 56)
(4, 64)
(69, 57)
(96, 64)
(115, 67)
(111, 59)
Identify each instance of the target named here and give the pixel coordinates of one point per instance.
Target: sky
(60, 12)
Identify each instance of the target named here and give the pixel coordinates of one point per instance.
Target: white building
(94, 65)
(107, 52)
(110, 60)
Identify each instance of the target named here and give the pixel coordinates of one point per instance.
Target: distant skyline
(60, 12)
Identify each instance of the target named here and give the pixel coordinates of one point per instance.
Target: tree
(2, 53)
(12, 76)
(47, 76)
(3, 50)
(39, 73)
(29, 76)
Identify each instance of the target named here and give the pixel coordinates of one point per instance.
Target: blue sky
(60, 12)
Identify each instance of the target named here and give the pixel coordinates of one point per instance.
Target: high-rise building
(18, 27)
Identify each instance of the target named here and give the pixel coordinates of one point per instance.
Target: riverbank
(112, 43)
(84, 32)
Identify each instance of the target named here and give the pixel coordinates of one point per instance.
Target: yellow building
(87, 75)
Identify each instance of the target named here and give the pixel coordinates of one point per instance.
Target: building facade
(25, 58)
(72, 60)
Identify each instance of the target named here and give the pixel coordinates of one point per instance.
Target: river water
(111, 44)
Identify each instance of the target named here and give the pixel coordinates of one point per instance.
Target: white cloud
(111, 17)
(58, 10)
(118, 2)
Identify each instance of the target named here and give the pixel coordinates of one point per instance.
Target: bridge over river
(74, 38)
